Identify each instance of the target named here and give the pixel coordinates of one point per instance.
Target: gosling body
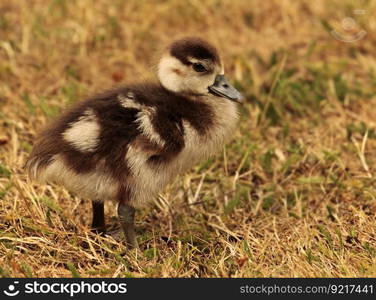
(128, 143)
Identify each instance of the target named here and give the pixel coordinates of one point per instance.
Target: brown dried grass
(292, 196)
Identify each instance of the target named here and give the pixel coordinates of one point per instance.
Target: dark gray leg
(126, 217)
(98, 225)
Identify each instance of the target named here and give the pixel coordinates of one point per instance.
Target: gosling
(128, 143)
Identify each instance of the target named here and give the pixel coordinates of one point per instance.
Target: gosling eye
(198, 67)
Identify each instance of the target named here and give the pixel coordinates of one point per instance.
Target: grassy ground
(292, 195)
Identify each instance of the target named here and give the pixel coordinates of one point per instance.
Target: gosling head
(193, 66)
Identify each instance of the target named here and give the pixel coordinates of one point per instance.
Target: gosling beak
(223, 88)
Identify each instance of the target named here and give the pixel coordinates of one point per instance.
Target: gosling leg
(98, 224)
(126, 215)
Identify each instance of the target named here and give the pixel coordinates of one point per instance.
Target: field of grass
(292, 195)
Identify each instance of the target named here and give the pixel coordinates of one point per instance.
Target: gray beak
(223, 88)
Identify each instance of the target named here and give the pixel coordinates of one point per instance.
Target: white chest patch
(84, 133)
(149, 180)
(199, 147)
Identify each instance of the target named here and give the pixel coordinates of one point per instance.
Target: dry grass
(292, 195)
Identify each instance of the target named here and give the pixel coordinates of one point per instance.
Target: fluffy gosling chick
(127, 144)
